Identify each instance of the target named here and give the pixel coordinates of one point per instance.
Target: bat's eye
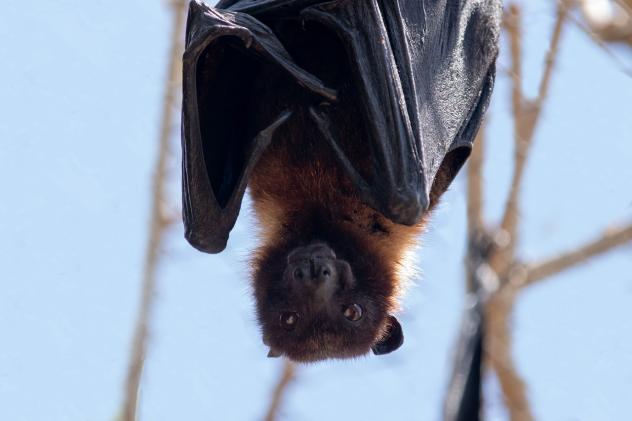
(352, 312)
(288, 320)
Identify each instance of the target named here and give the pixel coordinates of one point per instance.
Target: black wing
(225, 53)
(424, 71)
(418, 75)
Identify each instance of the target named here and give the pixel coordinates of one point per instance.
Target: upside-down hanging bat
(347, 119)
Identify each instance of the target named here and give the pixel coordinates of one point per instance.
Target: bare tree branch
(513, 28)
(475, 223)
(287, 376)
(561, 14)
(158, 223)
(498, 346)
(526, 116)
(610, 239)
(475, 183)
(500, 258)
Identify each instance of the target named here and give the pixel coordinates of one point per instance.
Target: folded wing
(416, 75)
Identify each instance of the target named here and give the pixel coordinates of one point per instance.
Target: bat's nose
(300, 272)
(315, 270)
(321, 270)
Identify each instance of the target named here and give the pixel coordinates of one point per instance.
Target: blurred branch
(551, 55)
(475, 183)
(494, 275)
(463, 396)
(498, 348)
(158, 223)
(526, 114)
(475, 221)
(287, 375)
(610, 21)
(513, 28)
(610, 239)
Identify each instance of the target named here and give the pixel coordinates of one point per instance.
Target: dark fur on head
(324, 332)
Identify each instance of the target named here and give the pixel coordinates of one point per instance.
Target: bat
(347, 120)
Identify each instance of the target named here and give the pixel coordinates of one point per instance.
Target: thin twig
(549, 267)
(551, 55)
(512, 23)
(287, 375)
(158, 223)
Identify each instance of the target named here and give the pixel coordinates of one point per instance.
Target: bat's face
(314, 304)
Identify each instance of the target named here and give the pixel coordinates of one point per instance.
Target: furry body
(301, 196)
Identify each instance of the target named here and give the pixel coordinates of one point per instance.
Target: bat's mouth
(322, 346)
(381, 338)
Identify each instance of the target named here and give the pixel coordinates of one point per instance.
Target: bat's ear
(392, 339)
(273, 353)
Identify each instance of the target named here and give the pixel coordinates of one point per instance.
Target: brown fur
(300, 196)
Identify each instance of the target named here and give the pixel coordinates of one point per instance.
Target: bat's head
(315, 302)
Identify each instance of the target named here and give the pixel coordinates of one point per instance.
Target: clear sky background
(80, 99)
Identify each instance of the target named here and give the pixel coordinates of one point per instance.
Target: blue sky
(79, 114)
